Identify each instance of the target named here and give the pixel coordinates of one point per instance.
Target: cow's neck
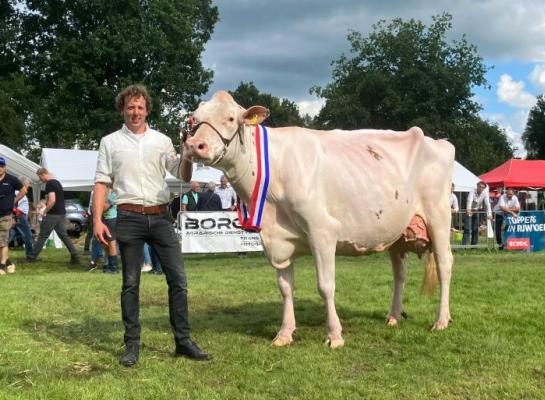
(240, 165)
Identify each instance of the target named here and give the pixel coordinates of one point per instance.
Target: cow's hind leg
(285, 284)
(398, 270)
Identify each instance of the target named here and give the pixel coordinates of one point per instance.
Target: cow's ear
(255, 115)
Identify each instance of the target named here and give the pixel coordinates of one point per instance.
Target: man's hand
(469, 213)
(101, 232)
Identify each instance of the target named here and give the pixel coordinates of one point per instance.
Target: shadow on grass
(261, 320)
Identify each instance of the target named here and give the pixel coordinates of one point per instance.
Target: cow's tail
(430, 281)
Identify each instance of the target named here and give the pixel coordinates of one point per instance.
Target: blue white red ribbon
(250, 217)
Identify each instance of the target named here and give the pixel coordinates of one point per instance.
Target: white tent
(75, 169)
(464, 180)
(20, 166)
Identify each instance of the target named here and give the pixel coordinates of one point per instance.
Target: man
(21, 221)
(191, 198)
(133, 160)
(8, 185)
(453, 201)
(209, 201)
(227, 195)
(507, 204)
(53, 219)
(477, 201)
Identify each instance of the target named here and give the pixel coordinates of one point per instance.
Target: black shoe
(131, 355)
(92, 266)
(190, 350)
(155, 272)
(75, 260)
(109, 270)
(31, 259)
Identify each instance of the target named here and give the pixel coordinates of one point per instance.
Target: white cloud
(514, 125)
(310, 107)
(513, 93)
(537, 76)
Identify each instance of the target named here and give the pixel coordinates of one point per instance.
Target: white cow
(335, 192)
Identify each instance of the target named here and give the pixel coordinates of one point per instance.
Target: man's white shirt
(505, 202)
(228, 196)
(476, 202)
(136, 167)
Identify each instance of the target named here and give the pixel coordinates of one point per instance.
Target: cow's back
(372, 182)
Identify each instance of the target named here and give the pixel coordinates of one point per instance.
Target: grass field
(61, 334)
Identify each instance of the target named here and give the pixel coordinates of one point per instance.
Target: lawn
(61, 334)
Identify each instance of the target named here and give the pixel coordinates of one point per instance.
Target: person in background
(54, 217)
(21, 222)
(151, 261)
(109, 217)
(209, 201)
(89, 235)
(134, 161)
(453, 201)
(508, 204)
(227, 195)
(191, 198)
(477, 201)
(9, 184)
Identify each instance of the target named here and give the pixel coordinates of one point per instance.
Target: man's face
(480, 188)
(135, 112)
(510, 194)
(42, 178)
(195, 186)
(2, 170)
(223, 182)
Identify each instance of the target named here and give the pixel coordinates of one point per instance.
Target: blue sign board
(525, 232)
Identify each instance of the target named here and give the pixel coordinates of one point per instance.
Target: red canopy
(517, 174)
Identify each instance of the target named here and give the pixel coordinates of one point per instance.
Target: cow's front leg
(324, 255)
(285, 284)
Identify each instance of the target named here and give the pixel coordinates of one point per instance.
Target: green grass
(61, 334)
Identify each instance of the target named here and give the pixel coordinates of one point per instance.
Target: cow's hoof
(441, 324)
(334, 343)
(391, 322)
(281, 341)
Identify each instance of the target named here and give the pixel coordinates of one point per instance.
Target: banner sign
(525, 232)
(215, 232)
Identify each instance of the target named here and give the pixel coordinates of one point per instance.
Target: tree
(406, 74)
(283, 111)
(78, 55)
(14, 92)
(534, 133)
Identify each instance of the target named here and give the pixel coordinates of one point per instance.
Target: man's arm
(51, 200)
(22, 192)
(99, 200)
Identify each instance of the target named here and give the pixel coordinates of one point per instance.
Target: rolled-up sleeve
(104, 171)
(172, 161)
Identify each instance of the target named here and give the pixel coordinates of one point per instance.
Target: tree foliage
(283, 111)
(406, 74)
(77, 55)
(534, 133)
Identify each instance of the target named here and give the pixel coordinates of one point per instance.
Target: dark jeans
(58, 223)
(471, 225)
(22, 225)
(499, 232)
(89, 234)
(133, 230)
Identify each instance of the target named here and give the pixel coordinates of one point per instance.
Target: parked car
(77, 217)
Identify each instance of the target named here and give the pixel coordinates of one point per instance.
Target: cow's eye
(231, 119)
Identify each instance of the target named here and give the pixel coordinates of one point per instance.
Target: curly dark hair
(135, 90)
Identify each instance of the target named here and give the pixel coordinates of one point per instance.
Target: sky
(287, 46)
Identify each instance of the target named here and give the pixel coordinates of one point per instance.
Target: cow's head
(216, 124)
